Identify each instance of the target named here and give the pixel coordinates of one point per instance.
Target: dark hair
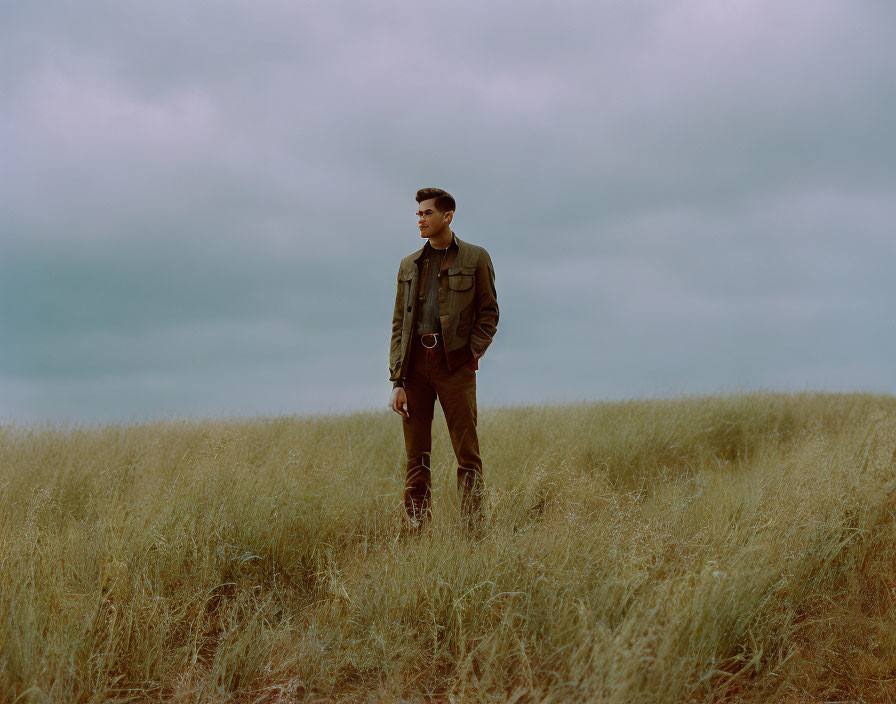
(444, 200)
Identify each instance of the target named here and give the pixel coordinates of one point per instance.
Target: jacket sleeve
(485, 324)
(395, 344)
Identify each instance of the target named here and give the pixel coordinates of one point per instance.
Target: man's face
(430, 220)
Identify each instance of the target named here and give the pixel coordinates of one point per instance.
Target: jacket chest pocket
(461, 278)
(405, 280)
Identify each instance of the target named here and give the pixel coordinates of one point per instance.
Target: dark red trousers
(428, 379)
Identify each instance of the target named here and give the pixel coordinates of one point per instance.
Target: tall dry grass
(727, 548)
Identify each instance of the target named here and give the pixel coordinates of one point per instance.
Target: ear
(449, 216)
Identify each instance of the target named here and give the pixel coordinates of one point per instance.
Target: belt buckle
(435, 340)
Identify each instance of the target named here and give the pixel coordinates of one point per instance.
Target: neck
(442, 240)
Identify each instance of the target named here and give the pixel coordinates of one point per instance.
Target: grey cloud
(675, 195)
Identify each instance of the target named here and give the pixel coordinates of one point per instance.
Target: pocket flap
(458, 269)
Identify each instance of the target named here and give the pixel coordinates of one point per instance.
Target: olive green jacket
(468, 306)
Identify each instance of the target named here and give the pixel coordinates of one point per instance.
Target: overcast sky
(203, 203)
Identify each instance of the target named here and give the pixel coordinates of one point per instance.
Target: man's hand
(398, 402)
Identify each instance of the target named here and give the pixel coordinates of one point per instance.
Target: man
(446, 314)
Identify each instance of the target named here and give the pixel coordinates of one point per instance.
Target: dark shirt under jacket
(428, 299)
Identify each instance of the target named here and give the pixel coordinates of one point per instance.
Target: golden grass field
(714, 549)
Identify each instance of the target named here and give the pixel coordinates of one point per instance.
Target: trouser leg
(457, 395)
(418, 443)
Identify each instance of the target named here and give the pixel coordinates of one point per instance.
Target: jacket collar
(456, 243)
